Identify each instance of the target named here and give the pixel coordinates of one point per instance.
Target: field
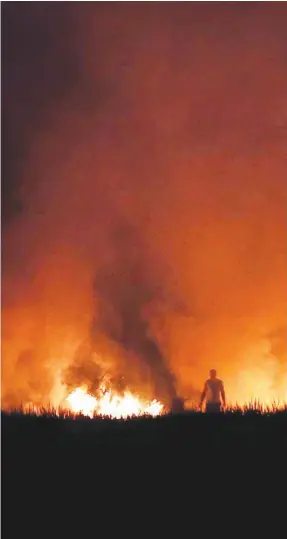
(67, 468)
(192, 432)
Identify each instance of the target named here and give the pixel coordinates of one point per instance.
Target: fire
(82, 402)
(112, 405)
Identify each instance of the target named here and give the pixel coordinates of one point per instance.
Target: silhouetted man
(213, 392)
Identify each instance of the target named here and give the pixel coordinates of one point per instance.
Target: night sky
(168, 120)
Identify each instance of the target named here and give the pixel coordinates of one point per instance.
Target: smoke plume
(144, 198)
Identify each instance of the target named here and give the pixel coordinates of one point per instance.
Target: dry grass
(253, 407)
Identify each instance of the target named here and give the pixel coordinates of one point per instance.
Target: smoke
(123, 290)
(144, 197)
(127, 290)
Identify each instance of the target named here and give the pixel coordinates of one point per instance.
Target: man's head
(212, 374)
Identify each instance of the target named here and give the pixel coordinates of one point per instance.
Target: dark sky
(172, 116)
(39, 68)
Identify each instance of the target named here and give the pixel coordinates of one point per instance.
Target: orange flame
(112, 405)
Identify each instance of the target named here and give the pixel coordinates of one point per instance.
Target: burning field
(144, 206)
(108, 404)
(144, 202)
(105, 404)
(117, 357)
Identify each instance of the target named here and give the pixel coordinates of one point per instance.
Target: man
(214, 394)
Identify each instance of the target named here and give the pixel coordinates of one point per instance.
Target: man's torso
(213, 390)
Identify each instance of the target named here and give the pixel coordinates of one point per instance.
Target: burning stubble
(126, 288)
(173, 118)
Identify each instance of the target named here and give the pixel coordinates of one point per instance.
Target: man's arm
(203, 395)
(223, 394)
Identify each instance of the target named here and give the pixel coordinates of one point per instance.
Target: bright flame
(112, 405)
(82, 402)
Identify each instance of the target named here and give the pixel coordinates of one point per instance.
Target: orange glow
(259, 377)
(256, 386)
(172, 124)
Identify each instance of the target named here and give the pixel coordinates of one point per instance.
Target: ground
(63, 470)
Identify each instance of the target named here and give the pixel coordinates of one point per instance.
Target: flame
(82, 402)
(112, 405)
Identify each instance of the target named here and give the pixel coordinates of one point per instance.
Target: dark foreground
(64, 470)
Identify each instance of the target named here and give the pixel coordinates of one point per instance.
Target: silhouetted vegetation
(237, 428)
(52, 463)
